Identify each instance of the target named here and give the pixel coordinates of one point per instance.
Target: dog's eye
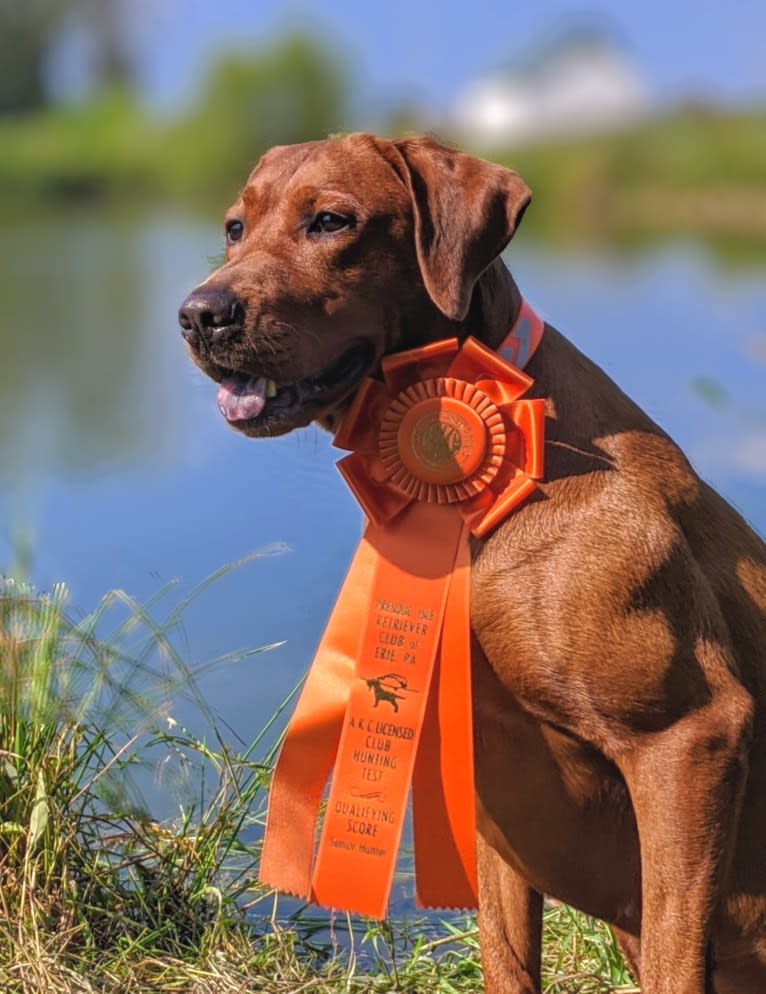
(325, 223)
(234, 231)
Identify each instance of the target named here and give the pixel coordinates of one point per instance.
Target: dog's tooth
(271, 388)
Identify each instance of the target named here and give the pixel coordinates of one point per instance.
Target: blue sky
(425, 51)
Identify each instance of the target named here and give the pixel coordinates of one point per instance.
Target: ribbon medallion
(444, 447)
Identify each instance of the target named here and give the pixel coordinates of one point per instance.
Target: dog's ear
(465, 212)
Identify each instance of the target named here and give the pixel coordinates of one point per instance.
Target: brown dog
(619, 618)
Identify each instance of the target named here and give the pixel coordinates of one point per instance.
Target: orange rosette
(460, 435)
(443, 447)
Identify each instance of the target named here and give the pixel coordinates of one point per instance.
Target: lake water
(118, 471)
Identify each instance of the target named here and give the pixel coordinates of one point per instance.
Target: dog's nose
(209, 314)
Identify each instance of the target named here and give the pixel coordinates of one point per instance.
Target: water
(118, 471)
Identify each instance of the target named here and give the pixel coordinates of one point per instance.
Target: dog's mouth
(259, 405)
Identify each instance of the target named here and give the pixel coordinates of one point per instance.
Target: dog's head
(339, 252)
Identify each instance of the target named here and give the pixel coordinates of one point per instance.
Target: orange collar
(522, 340)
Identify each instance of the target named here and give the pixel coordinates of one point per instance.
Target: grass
(96, 895)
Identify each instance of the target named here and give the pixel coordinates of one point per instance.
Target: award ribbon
(443, 448)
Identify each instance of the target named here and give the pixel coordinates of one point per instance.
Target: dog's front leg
(510, 926)
(686, 783)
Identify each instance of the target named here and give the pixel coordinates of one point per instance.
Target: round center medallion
(442, 440)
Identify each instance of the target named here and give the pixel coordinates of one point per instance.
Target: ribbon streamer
(444, 447)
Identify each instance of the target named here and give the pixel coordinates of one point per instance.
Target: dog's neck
(495, 307)
(500, 318)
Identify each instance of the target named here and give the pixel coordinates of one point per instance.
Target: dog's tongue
(240, 398)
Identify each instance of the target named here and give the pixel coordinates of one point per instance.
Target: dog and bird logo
(389, 689)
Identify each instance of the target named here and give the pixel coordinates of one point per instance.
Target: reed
(96, 895)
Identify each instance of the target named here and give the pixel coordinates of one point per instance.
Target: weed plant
(96, 895)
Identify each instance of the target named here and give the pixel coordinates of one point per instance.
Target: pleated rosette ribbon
(444, 447)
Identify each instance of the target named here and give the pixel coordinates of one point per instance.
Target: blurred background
(126, 128)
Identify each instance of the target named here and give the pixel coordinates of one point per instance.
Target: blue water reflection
(114, 459)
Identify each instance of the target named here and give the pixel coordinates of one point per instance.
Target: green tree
(290, 92)
(26, 33)
(29, 32)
